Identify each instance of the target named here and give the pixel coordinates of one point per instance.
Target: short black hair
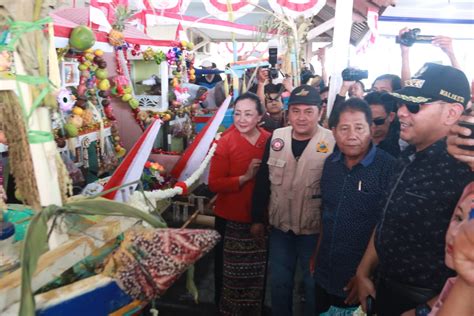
(395, 81)
(325, 89)
(273, 88)
(352, 104)
(253, 97)
(380, 98)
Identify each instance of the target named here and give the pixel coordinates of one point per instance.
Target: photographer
(443, 42)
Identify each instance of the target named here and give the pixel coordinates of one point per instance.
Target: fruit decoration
(148, 54)
(81, 38)
(136, 50)
(92, 97)
(122, 14)
(159, 57)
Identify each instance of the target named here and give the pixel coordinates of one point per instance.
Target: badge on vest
(322, 147)
(278, 144)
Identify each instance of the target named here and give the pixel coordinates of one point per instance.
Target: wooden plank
(55, 262)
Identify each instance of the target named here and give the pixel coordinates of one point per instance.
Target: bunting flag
(372, 22)
(296, 8)
(168, 6)
(219, 8)
(194, 154)
(131, 168)
(181, 34)
(371, 36)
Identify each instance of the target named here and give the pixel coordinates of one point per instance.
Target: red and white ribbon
(219, 8)
(296, 8)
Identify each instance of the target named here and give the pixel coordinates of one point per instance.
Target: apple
(126, 97)
(101, 73)
(133, 103)
(104, 84)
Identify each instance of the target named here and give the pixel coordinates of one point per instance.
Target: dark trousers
(394, 298)
(324, 300)
(219, 225)
(286, 249)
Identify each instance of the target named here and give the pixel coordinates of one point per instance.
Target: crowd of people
(372, 203)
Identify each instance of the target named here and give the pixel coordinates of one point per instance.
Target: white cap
(206, 63)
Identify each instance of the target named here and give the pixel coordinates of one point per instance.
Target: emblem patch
(277, 144)
(322, 147)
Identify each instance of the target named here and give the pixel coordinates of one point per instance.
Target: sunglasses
(412, 108)
(379, 121)
(325, 101)
(415, 108)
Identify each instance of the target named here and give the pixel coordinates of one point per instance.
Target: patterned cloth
(244, 272)
(352, 205)
(410, 238)
(149, 261)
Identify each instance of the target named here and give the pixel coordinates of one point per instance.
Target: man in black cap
(287, 185)
(408, 243)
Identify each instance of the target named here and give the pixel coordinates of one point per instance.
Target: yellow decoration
(77, 110)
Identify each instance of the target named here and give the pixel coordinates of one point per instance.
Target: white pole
(341, 43)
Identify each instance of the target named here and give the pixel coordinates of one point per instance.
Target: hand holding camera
(410, 37)
(353, 74)
(461, 140)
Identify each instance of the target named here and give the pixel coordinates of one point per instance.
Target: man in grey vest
(288, 187)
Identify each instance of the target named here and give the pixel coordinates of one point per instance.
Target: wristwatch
(422, 309)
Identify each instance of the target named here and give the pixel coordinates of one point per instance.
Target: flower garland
(139, 199)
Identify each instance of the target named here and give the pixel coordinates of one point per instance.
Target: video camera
(412, 36)
(353, 74)
(273, 59)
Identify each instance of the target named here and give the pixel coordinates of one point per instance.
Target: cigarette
(360, 185)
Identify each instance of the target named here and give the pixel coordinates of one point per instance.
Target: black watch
(422, 309)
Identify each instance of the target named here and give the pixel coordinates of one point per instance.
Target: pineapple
(122, 14)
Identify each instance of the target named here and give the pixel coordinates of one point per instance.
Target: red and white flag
(194, 154)
(131, 168)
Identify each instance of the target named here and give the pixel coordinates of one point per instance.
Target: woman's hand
(251, 171)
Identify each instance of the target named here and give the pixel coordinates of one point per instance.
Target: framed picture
(69, 74)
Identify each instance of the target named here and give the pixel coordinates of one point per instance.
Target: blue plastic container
(226, 122)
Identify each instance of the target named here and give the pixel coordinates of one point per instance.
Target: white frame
(75, 74)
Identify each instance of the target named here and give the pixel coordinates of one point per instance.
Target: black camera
(413, 36)
(273, 59)
(352, 74)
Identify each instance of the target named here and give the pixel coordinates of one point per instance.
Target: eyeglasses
(379, 121)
